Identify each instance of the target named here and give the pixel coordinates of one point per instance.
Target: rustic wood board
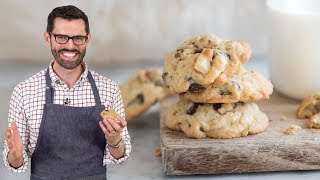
(271, 150)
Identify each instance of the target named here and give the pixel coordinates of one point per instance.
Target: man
(54, 116)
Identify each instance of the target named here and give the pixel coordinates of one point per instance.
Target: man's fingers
(122, 122)
(9, 139)
(102, 126)
(108, 134)
(104, 129)
(14, 127)
(109, 127)
(114, 125)
(9, 134)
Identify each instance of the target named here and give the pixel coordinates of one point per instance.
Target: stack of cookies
(216, 92)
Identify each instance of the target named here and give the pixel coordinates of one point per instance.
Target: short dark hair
(67, 12)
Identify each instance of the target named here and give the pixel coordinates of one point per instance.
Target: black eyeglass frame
(70, 37)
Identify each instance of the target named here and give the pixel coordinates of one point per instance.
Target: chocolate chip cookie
(244, 86)
(200, 120)
(109, 114)
(203, 61)
(141, 91)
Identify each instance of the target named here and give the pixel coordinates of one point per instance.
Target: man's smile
(67, 55)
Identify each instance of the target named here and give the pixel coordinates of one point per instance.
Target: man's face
(68, 55)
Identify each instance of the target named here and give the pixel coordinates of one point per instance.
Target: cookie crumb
(313, 131)
(157, 152)
(283, 117)
(292, 129)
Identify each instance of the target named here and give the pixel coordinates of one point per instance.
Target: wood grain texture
(271, 150)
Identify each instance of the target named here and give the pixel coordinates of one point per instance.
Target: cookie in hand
(109, 114)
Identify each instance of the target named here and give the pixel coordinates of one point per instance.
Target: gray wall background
(127, 31)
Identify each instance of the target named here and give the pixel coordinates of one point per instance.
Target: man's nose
(70, 44)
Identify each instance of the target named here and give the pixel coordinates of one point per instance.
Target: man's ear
(89, 39)
(47, 39)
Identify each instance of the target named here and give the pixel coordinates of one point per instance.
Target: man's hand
(112, 129)
(15, 156)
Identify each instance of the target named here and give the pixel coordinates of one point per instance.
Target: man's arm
(121, 154)
(14, 154)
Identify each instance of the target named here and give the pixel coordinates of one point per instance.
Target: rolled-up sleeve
(119, 108)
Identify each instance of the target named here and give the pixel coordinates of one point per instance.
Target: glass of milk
(294, 56)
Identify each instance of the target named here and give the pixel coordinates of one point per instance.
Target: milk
(294, 56)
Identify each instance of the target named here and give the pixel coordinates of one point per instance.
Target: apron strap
(94, 88)
(49, 89)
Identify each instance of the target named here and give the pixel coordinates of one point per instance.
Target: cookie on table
(141, 91)
(200, 120)
(309, 106)
(244, 86)
(203, 61)
(314, 121)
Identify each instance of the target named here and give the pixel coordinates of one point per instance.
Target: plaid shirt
(28, 98)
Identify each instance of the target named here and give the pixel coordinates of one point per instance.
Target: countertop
(144, 131)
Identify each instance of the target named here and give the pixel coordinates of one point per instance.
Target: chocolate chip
(180, 50)
(213, 57)
(201, 129)
(198, 51)
(190, 79)
(226, 54)
(194, 44)
(239, 103)
(195, 88)
(216, 106)
(158, 83)
(164, 75)
(237, 84)
(224, 92)
(193, 108)
(177, 55)
(139, 99)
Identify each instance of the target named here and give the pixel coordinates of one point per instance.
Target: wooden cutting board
(271, 150)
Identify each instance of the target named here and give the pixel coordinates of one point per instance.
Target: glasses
(63, 39)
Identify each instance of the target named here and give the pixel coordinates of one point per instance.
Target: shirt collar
(56, 80)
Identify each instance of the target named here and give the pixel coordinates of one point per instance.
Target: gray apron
(71, 143)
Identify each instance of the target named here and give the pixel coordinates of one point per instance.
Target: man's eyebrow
(68, 35)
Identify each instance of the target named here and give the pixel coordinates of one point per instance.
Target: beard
(67, 64)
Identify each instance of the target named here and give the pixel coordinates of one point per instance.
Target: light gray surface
(142, 164)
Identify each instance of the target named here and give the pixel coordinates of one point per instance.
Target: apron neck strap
(49, 89)
(94, 88)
